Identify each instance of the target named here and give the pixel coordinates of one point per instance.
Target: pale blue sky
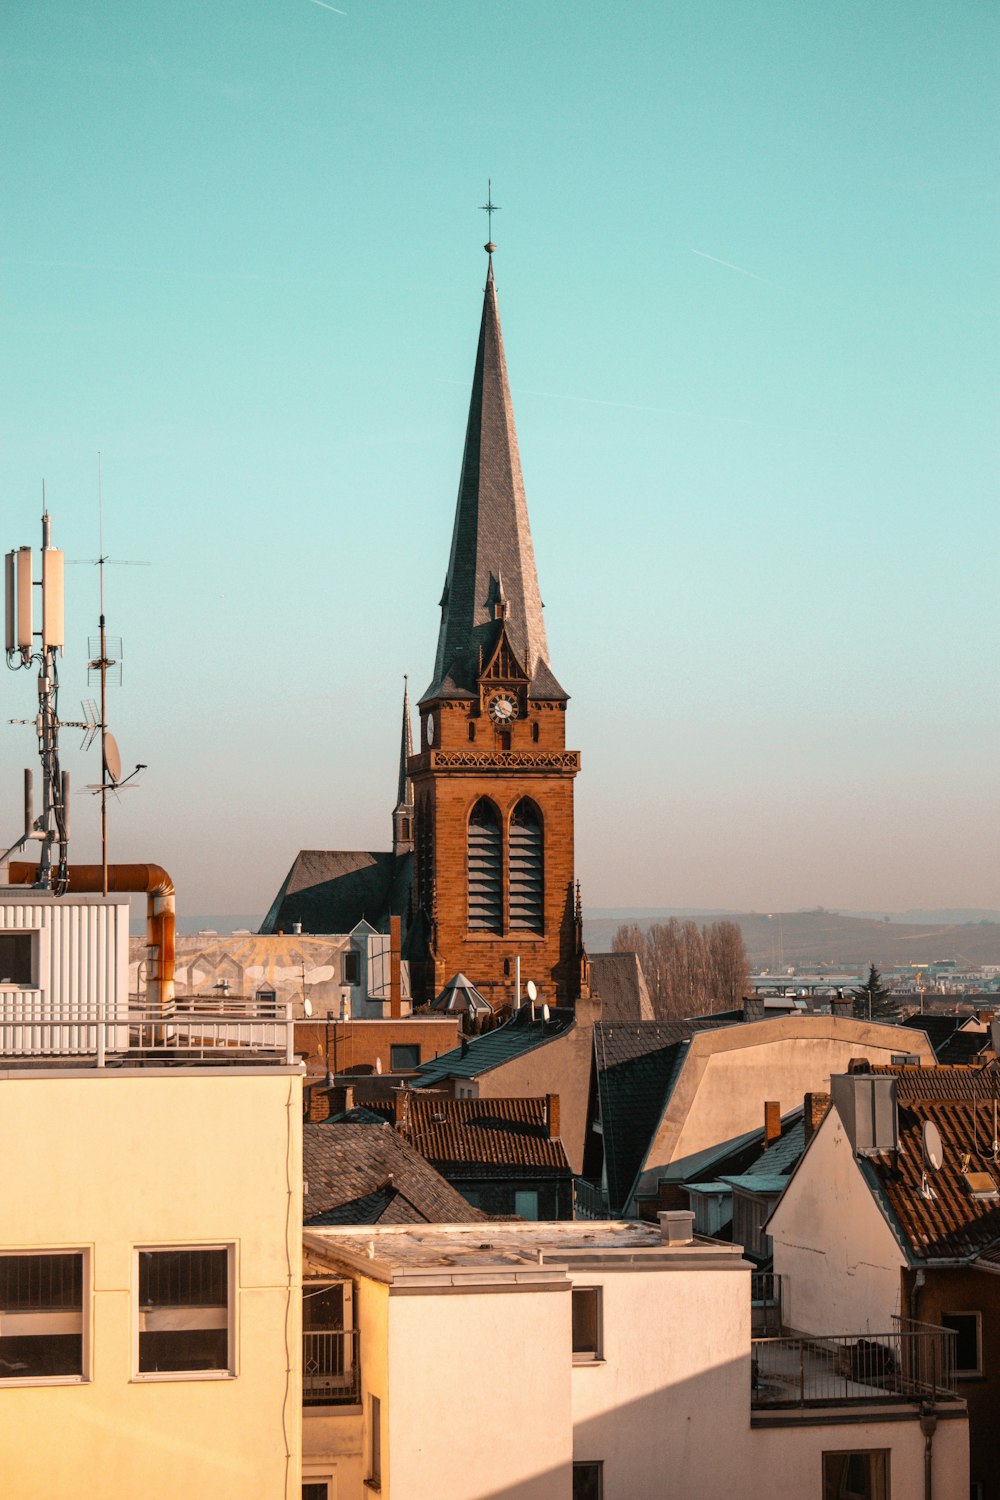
(241, 255)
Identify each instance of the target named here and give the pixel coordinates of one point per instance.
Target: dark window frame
(55, 1298)
(878, 1485)
(588, 1480)
(397, 1064)
(156, 1361)
(587, 1343)
(964, 1371)
(19, 958)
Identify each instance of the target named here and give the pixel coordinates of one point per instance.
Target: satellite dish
(307, 1006)
(531, 990)
(112, 759)
(378, 1065)
(933, 1149)
(545, 1012)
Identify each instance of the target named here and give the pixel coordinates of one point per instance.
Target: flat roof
(455, 1254)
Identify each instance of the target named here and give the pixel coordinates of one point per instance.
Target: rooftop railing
(913, 1362)
(589, 1202)
(189, 1029)
(331, 1372)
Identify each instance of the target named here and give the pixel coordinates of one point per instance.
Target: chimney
(866, 1104)
(859, 1065)
(814, 1107)
(676, 1226)
(772, 1121)
(552, 1115)
(395, 982)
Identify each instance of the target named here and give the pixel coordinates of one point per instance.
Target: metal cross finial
(490, 208)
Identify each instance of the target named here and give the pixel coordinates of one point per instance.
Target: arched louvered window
(527, 907)
(485, 868)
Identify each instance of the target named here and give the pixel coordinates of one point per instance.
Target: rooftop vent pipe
(160, 915)
(676, 1226)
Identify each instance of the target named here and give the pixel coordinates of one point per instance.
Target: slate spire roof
(404, 791)
(492, 555)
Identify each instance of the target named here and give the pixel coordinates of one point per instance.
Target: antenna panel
(53, 594)
(23, 624)
(9, 597)
(933, 1148)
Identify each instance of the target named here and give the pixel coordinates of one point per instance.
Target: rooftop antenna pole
(103, 662)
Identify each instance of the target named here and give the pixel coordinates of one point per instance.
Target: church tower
(492, 778)
(402, 813)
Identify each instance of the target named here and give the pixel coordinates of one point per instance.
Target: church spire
(491, 540)
(402, 814)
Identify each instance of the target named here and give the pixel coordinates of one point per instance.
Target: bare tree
(689, 969)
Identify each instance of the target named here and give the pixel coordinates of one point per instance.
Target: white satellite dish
(378, 1065)
(933, 1148)
(307, 1006)
(112, 759)
(545, 1012)
(531, 990)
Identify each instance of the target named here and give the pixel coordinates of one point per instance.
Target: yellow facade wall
(110, 1160)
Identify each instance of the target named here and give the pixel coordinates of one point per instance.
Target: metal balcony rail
(589, 1202)
(190, 1027)
(331, 1372)
(915, 1364)
(765, 1303)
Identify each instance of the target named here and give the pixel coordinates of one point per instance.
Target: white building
(608, 1361)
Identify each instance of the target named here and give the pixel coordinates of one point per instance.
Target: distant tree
(689, 969)
(873, 1001)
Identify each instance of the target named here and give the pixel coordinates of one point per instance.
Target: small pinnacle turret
(402, 813)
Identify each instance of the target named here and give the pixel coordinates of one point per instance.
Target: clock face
(430, 729)
(503, 709)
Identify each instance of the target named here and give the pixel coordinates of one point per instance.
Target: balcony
(331, 1372)
(914, 1363)
(190, 1029)
(589, 1201)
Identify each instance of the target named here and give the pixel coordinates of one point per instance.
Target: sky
(747, 278)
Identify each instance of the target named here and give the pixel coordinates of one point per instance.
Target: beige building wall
(729, 1073)
(109, 1160)
(838, 1258)
(785, 1463)
(479, 1395)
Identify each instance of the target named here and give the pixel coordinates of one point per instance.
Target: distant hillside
(824, 939)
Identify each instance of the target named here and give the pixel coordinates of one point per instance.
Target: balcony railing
(765, 1303)
(589, 1202)
(331, 1373)
(915, 1362)
(189, 1028)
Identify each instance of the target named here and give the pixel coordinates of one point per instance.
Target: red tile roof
(948, 1223)
(496, 1137)
(944, 1082)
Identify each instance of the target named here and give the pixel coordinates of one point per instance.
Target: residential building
(361, 1171)
(564, 1362)
(894, 1212)
(504, 1155)
(150, 1221)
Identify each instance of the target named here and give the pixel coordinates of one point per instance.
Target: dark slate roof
(404, 788)
(482, 1137)
(938, 1028)
(951, 1224)
(492, 555)
(964, 1047)
(617, 1041)
(617, 979)
(494, 1048)
(633, 1095)
(332, 890)
(371, 1170)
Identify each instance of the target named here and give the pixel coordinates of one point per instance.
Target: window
(968, 1345)
(856, 1476)
(472, 730)
(484, 867)
(526, 884)
(526, 1203)
(41, 1316)
(587, 1331)
(403, 1059)
(316, 1489)
(16, 953)
(184, 1314)
(374, 1443)
(350, 967)
(534, 732)
(588, 1481)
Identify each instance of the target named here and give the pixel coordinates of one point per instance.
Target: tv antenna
(104, 666)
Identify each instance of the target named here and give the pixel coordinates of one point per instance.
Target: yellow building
(150, 1227)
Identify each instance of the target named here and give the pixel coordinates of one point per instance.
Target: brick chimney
(814, 1107)
(552, 1115)
(772, 1121)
